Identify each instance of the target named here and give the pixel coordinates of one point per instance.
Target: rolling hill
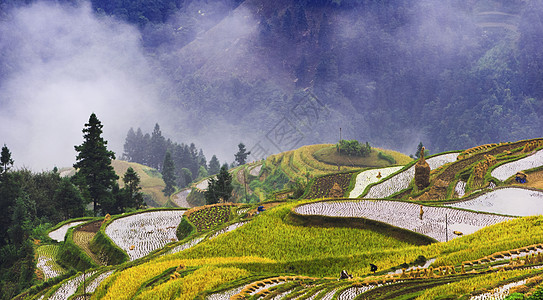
(151, 182)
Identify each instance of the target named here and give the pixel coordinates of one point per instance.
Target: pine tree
(193, 164)
(93, 163)
(186, 177)
(419, 148)
(140, 151)
(157, 147)
(220, 188)
(5, 159)
(22, 219)
(242, 154)
(214, 166)
(202, 172)
(168, 174)
(202, 161)
(69, 200)
(131, 190)
(129, 145)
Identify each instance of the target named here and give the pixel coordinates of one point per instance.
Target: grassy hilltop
(274, 177)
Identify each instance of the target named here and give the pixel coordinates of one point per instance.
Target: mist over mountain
(273, 74)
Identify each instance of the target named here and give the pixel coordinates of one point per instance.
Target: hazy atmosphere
(271, 149)
(274, 76)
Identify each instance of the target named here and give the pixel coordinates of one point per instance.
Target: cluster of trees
(154, 150)
(96, 178)
(394, 75)
(220, 187)
(180, 164)
(353, 148)
(419, 150)
(31, 202)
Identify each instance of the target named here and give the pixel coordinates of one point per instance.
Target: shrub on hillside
(387, 157)
(184, 229)
(353, 148)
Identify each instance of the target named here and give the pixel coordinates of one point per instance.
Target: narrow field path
(181, 198)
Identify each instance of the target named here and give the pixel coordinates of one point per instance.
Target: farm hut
(521, 177)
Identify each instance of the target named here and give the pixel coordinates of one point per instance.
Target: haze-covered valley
(275, 75)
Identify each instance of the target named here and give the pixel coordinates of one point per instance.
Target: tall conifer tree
(168, 174)
(214, 166)
(219, 188)
(93, 162)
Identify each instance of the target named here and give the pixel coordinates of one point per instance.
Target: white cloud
(66, 63)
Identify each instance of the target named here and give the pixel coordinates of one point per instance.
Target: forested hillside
(451, 74)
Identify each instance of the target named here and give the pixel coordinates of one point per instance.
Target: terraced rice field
(225, 294)
(323, 185)
(297, 288)
(47, 261)
(460, 188)
(407, 216)
(59, 234)
(507, 201)
(296, 163)
(202, 185)
(498, 293)
(186, 245)
(227, 229)
(82, 239)
(140, 234)
(509, 169)
(365, 178)
(401, 180)
(96, 282)
(69, 287)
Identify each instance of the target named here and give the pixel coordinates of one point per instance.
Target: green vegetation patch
(305, 250)
(185, 229)
(71, 255)
(398, 233)
(330, 155)
(209, 216)
(321, 186)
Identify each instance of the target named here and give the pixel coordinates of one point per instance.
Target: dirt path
(181, 198)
